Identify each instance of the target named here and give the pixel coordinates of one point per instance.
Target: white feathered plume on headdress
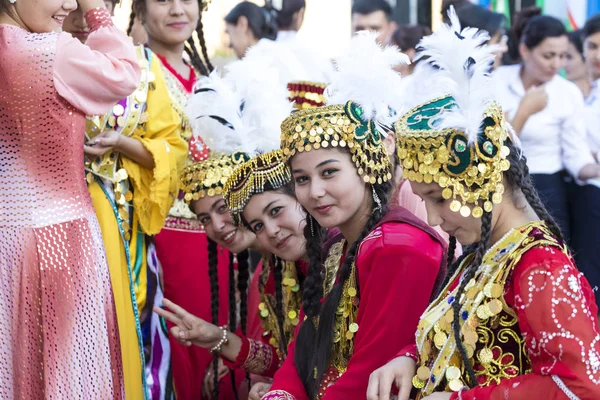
(242, 111)
(215, 113)
(365, 75)
(266, 105)
(464, 62)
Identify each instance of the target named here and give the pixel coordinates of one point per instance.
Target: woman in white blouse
(546, 112)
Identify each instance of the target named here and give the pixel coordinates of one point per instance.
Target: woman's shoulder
(20, 43)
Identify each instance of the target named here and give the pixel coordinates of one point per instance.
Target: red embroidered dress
(397, 266)
(529, 323)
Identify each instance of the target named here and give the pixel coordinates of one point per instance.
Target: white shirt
(554, 138)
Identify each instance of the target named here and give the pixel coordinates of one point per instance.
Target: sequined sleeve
(94, 76)
(255, 357)
(156, 189)
(558, 319)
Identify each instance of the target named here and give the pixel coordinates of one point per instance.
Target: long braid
(200, 33)
(242, 283)
(518, 177)
(191, 51)
(486, 233)
(131, 19)
(214, 306)
(311, 300)
(278, 276)
(232, 296)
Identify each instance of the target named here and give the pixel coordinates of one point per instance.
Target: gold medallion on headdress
(306, 94)
(265, 172)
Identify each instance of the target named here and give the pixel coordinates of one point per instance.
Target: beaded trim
(97, 18)
(263, 173)
(306, 94)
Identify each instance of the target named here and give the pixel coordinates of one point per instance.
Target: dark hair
(285, 16)
(261, 21)
(591, 26)
(531, 28)
(474, 16)
(366, 7)
(277, 269)
(213, 276)
(517, 177)
(576, 40)
(314, 343)
(407, 37)
(199, 60)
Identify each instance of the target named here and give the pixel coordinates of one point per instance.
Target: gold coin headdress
(238, 117)
(306, 94)
(265, 172)
(364, 95)
(456, 138)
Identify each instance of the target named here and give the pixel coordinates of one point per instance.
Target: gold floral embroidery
(278, 395)
(259, 357)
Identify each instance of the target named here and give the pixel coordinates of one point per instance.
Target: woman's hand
(400, 372)
(208, 386)
(188, 328)
(259, 390)
(535, 100)
(102, 143)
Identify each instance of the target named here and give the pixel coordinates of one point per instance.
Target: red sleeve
(286, 383)
(255, 329)
(397, 267)
(255, 357)
(409, 351)
(558, 319)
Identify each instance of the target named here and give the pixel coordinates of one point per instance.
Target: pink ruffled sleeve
(94, 76)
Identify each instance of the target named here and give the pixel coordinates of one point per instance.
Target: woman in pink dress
(58, 332)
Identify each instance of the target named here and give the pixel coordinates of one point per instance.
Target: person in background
(58, 326)
(373, 15)
(289, 18)
(586, 197)
(575, 66)
(546, 112)
(475, 16)
(248, 23)
(406, 38)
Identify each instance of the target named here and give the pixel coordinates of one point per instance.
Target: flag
(501, 7)
(577, 13)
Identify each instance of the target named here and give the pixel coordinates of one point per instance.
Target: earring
(377, 200)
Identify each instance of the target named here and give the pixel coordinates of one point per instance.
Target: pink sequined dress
(58, 333)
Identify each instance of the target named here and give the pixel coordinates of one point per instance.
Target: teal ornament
(364, 129)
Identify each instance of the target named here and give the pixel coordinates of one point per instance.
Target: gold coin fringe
(265, 172)
(425, 156)
(330, 127)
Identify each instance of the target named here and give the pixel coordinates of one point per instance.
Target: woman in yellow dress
(135, 153)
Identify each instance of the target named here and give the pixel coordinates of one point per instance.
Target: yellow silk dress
(132, 202)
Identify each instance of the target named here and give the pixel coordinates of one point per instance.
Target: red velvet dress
(398, 266)
(542, 342)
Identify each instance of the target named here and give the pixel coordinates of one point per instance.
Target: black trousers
(585, 232)
(554, 192)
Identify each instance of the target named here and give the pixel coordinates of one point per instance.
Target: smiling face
(328, 186)
(170, 22)
(40, 16)
(545, 60)
(214, 215)
(278, 221)
(466, 230)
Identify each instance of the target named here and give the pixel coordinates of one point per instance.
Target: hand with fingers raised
(188, 328)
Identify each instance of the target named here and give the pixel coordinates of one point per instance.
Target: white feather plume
(266, 105)
(215, 114)
(464, 62)
(365, 75)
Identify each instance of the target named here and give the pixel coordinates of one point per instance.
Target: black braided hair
(131, 20)
(214, 305)
(243, 278)
(203, 65)
(200, 33)
(311, 300)
(480, 249)
(320, 357)
(278, 276)
(518, 177)
(232, 295)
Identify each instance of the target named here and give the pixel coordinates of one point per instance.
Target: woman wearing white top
(546, 111)
(585, 210)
